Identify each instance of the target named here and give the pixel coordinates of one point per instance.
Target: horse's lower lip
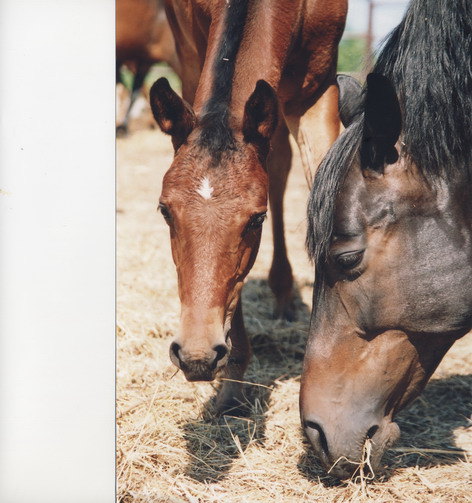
(204, 376)
(199, 379)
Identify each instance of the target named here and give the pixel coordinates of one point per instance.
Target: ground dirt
(170, 448)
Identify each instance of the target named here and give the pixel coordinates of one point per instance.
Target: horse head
(392, 248)
(214, 199)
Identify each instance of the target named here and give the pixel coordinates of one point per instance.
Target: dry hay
(170, 447)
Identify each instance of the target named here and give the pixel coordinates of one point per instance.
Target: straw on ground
(170, 446)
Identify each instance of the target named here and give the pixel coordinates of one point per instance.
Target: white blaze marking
(205, 189)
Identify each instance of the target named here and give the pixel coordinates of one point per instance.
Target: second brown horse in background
(251, 72)
(143, 38)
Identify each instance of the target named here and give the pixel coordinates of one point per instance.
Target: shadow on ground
(278, 347)
(427, 425)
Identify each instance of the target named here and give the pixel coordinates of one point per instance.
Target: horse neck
(263, 51)
(267, 37)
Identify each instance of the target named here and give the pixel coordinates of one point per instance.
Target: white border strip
(57, 251)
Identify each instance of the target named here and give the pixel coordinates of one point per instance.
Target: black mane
(216, 134)
(428, 59)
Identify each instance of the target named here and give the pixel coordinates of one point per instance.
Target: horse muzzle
(199, 365)
(343, 452)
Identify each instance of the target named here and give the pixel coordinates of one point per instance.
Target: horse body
(291, 45)
(251, 70)
(390, 231)
(143, 37)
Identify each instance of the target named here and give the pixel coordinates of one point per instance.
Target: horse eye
(165, 212)
(257, 220)
(349, 260)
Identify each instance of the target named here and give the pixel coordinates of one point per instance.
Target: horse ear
(174, 116)
(350, 98)
(260, 115)
(382, 123)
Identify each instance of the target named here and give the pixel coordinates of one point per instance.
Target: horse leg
(280, 275)
(138, 82)
(316, 130)
(230, 398)
(122, 102)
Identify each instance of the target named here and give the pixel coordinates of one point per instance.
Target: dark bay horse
(390, 232)
(250, 71)
(143, 37)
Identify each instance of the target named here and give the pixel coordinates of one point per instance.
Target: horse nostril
(175, 348)
(319, 429)
(221, 352)
(372, 431)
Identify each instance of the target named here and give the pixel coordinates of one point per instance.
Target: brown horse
(390, 231)
(252, 70)
(143, 37)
